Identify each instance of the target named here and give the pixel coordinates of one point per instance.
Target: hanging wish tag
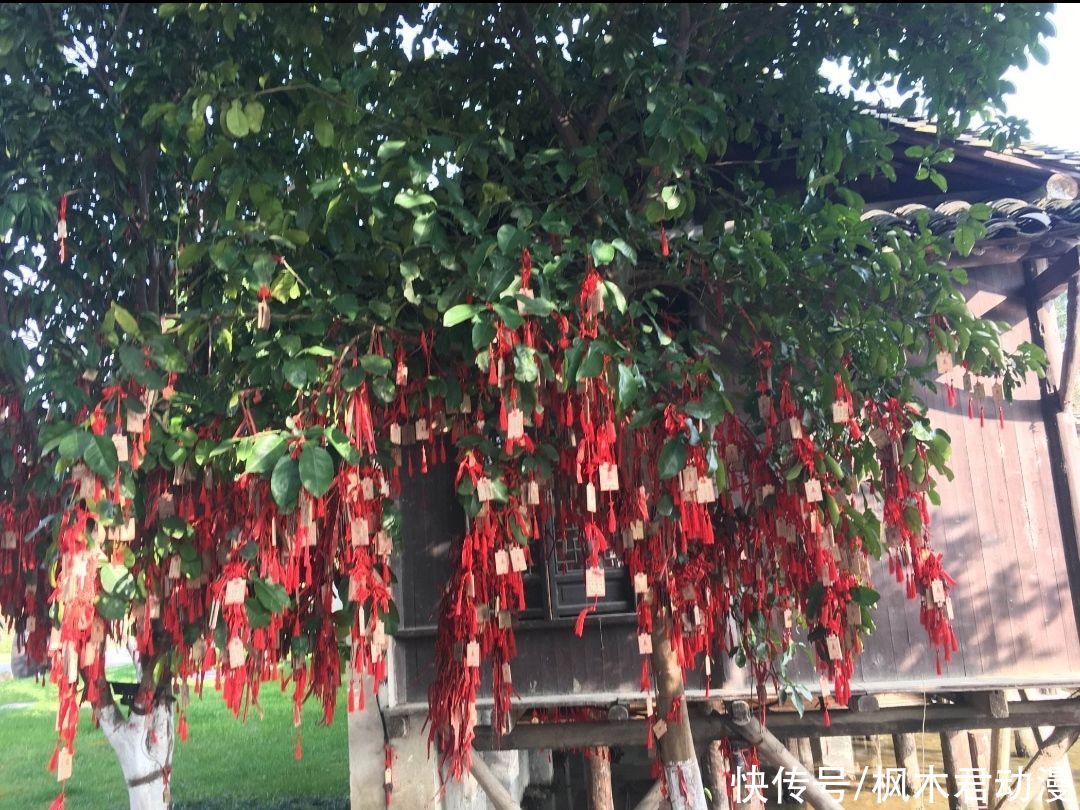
(533, 493)
(595, 584)
(237, 653)
(937, 591)
(502, 562)
(11, 541)
(174, 567)
(794, 428)
(644, 644)
(395, 433)
(235, 591)
(472, 654)
(507, 675)
(515, 424)
(706, 490)
(63, 764)
(944, 362)
(517, 559)
(659, 728)
(135, 422)
(641, 583)
(484, 492)
(813, 490)
(833, 645)
(504, 619)
(358, 530)
(127, 531)
(590, 497)
(689, 479)
(764, 406)
(120, 442)
(841, 412)
(609, 478)
(383, 546)
(998, 393)
(854, 614)
(423, 431)
(878, 437)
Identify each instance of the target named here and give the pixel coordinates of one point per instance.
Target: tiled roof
(1009, 218)
(1053, 158)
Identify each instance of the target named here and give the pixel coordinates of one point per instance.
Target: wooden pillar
(1026, 744)
(1000, 751)
(956, 756)
(497, 794)
(979, 747)
(676, 743)
(907, 757)
(753, 802)
(598, 778)
(719, 776)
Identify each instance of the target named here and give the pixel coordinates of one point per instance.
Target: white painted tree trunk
(144, 746)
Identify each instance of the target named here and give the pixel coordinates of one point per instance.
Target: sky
(1045, 94)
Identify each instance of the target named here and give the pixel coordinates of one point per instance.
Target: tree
(262, 262)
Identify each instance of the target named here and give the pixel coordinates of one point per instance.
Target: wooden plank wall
(998, 528)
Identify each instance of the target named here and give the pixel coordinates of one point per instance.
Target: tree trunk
(719, 776)
(676, 744)
(144, 746)
(598, 776)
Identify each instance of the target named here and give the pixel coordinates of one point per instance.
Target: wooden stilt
(652, 799)
(752, 802)
(907, 757)
(1026, 744)
(719, 776)
(498, 795)
(979, 748)
(1000, 750)
(772, 751)
(956, 756)
(1041, 766)
(1064, 786)
(598, 778)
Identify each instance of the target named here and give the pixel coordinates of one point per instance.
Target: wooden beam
(992, 703)
(934, 718)
(956, 759)
(773, 751)
(1054, 749)
(498, 795)
(1051, 282)
(1070, 358)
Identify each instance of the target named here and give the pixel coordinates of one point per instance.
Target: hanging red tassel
(950, 395)
(579, 625)
(665, 249)
(61, 228)
(298, 752)
(58, 803)
(1001, 417)
(982, 416)
(971, 408)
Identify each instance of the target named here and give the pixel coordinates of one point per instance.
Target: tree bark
(719, 776)
(907, 757)
(676, 744)
(144, 746)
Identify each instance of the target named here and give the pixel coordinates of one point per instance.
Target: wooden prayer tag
(641, 582)
(235, 591)
(367, 489)
(788, 622)
(120, 442)
(237, 653)
(502, 562)
(533, 493)
(595, 585)
(408, 434)
(944, 362)
(395, 433)
(504, 619)
(483, 489)
(706, 491)
(980, 391)
(174, 567)
(637, 530)
(401, 375)
(644, 644)
(383, 545)
(878, 437)
(590, 497)
(949, 608)
(854, 614)
(127, 531)
(507, 676)
(358, 529)
(63, 764)
(794, 428)
(937, 591)
(166, 506)
(472, 654)
(841, 412)
(11, 540)
(689, 479)
(135, 422)
(527, 293)
(998, 393)
(595, 303)
(659, 728)
(422, 431)
(515, 424)
(517, 559)
(609, 478)
(764, 406)
(813, 490)
(483, 613)
(832, 643)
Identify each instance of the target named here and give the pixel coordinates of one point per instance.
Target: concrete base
(416, 778)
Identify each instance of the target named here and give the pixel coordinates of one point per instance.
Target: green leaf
(271, 595)
(265, 452)
(603, 252)
(235, 121)
(376, 364)
(459, 313)
(126, 321)
(316, 469)
(100, 457)
(324, 133)
(672, 457)
(285, 482)
(593, 364)
(629, 387)
(413, 199)
(390, 149)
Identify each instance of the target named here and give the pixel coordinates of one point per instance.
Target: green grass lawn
(224, 764)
